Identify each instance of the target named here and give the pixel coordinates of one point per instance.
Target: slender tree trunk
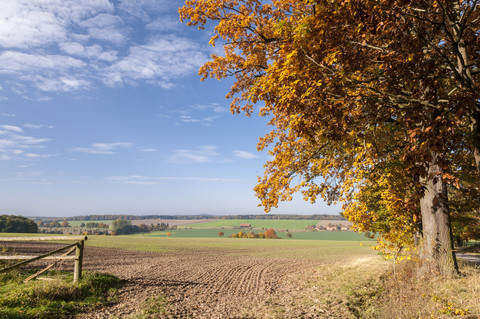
(437, 238)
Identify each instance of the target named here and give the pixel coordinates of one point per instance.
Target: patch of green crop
(257, 223)
(281, 248)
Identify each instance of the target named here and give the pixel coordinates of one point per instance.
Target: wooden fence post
(77, 272)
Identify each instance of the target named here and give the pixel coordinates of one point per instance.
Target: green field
(308, 235)
(257, 223)
(278, 248)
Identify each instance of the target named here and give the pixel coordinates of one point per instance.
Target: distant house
(245, 225)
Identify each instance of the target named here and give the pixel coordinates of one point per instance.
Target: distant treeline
(187, 217)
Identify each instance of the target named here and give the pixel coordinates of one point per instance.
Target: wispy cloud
(36, 126)
(244, 155)
(14, 144)
(204, 154)
(103, 148)
(145, 180)
(203, 114)
(28, 177)
(164, 24)
(7, 115)
(11, 128)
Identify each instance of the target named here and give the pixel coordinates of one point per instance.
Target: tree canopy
(373, 103)
(17, 224)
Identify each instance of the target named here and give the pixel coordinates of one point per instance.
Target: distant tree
(220, 234)
(124, 227)
(65, 223)
(17, 224)
(289, 235)
(119, 223)
(53, 224)
(270, 233)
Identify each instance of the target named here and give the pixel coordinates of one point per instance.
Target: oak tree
(370, 101)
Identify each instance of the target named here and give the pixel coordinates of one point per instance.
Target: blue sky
(102, 111)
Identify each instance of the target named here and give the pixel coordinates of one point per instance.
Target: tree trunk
(475, 128)
(437, 250)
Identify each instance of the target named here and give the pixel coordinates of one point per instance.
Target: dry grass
(365, 287)
(411, 296)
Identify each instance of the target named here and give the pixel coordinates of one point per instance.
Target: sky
(102, 111)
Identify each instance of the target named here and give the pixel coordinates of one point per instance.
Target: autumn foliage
(374, 104)
(269, 233)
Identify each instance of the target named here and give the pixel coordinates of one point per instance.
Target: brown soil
(202, 284)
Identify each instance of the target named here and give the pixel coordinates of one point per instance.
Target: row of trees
(124, 227)
(187, 217)
(17, 224)
(373, 103)
(269, 233)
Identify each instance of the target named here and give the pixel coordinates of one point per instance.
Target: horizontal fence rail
(78, 247)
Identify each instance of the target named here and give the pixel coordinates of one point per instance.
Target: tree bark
(437, 250)
(475, 128)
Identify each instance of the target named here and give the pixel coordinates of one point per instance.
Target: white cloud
(32, 23)
(214, 107)
(36, 126)
(7, 115)
(105, 27)
(18, 62)
(164, 23)
(149, 150)
(244, 155)
(145, 180)
(159, 62)
(103, 148)
(204, 154)
(70, 45)
(204, 114)
(11, 128)
(78, 49)
(13, 144)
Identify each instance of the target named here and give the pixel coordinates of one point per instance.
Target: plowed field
(196, 284)
(202, 283)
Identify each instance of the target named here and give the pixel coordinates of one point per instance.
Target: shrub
(270, 233)
(220, 234)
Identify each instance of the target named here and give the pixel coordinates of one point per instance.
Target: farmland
(195, 274)
(308, 235)
(257, 223)
(206, 277)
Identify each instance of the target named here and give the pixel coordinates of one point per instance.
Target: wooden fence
(77, 247)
